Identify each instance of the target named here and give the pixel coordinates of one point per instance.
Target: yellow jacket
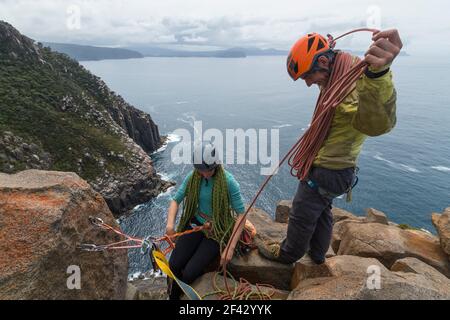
(369, 110)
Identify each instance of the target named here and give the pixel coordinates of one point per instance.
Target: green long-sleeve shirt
(369, 110)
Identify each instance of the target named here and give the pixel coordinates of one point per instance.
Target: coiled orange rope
(341, 82)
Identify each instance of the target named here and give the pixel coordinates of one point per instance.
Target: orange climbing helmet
(304, 54)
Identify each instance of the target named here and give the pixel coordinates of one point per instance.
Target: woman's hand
(170, 230)
(227, 256)
(171, 216)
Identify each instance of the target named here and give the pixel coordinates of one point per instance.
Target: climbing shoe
(313, 259)
(269, 249)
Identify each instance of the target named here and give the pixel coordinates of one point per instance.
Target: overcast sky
(423, 25)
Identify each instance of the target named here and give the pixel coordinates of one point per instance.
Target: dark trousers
(310, 219)
(192, 254)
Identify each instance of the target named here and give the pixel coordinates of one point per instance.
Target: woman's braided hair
(223, 217)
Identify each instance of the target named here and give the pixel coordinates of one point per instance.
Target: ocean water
(405, 173)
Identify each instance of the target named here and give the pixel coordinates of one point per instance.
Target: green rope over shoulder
(223, 217)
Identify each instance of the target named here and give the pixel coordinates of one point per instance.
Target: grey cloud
(142, 22)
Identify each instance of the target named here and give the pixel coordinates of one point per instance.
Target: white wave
(152, 274)
(395, 165)
(134, 276)
(171, 138)
(441, 168)
(168, 191)
(181, 102)
(146, 275)
(409, 168)
(138, 206)
(426, 231)
(283, 126)
(165, 193)
(164, 176)
(183, 120)
(162, 148)
(188, 118)
(159, 274)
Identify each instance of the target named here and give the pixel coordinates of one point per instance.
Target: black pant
(310, 219)
(192, 254)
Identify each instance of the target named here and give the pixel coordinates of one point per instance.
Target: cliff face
(137, 124)
(56, 115)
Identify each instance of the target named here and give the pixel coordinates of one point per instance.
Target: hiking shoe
(313, 259)
(269, 249)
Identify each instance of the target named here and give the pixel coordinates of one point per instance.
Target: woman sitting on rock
(209, 194)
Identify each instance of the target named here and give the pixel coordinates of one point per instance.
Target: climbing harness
(331, 195)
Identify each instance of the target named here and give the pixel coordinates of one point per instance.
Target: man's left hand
(386, 46)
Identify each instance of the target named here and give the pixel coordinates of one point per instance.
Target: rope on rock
(242, 290)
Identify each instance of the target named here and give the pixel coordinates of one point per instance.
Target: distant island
(252, 51)
(236, 52)
(172, 53)
(86, 53)
(93, 53)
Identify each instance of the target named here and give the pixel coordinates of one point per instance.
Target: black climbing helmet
(205, 156)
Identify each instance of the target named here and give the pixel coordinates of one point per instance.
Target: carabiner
(89, 247)
(147, 243)
(155, 266)
(96, 221)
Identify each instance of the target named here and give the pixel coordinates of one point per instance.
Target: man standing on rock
(368, 110)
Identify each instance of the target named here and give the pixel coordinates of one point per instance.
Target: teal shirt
(205, 199)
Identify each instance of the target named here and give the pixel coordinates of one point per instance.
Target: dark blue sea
(405, 173)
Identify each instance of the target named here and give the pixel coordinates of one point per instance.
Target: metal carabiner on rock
(96, 221)
(155, 266)
(89, 247)
(147, 243)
